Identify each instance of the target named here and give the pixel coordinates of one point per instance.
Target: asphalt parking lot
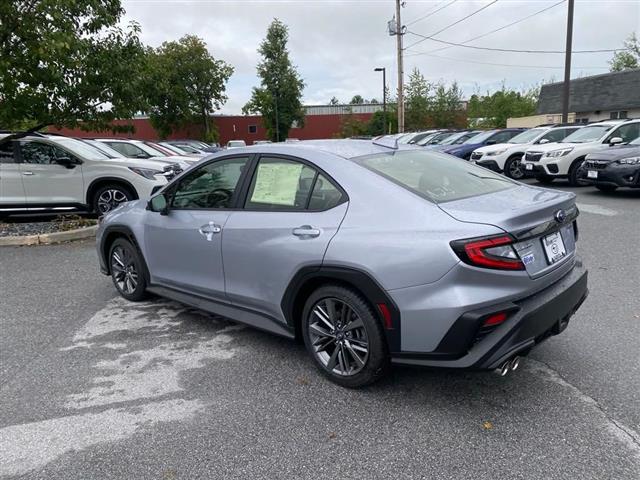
(94, 387)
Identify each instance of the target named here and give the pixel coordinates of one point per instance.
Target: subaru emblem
(560, 216)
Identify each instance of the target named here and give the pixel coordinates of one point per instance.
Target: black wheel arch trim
(113, 232)
(309, 277)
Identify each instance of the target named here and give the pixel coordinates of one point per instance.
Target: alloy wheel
(338, 337)
(515, 169)
(110, 199)
(124, 271)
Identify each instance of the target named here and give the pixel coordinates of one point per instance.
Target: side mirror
(159, 204)
(615, 141)
(543, 141)
(67, 161)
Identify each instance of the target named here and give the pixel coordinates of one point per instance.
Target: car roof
(344, 148)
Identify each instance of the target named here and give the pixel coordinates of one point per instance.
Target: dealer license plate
(554, 247)
(528, 166)
(592, 174)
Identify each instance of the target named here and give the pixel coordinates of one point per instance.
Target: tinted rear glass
(434, 176)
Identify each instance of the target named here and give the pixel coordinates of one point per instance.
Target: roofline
(608, 74)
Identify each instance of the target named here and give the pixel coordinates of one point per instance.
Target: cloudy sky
(336, 44)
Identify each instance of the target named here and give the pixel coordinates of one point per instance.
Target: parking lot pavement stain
(30, 446)
(597, 209)
(142, 376)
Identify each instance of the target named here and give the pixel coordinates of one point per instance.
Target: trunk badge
(560, 216)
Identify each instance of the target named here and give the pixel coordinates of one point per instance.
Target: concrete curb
(48, 238)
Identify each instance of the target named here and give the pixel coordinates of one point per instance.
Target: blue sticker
(528, 258)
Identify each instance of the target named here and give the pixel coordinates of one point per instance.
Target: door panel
(11, 188)
(184, 249)
(180, 256)
(47, 182)
(262, 253)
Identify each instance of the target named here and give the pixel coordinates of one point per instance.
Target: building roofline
(590, 77)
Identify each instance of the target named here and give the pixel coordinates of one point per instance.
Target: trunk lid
(530, 215)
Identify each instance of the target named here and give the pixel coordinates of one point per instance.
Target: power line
(506, 49)
(506, 64)
(503, 27)
(431, 12)
(451, 24)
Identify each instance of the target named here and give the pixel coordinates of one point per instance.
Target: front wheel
(127, 270)
(344, 337)
(513, 168)
(108, 197)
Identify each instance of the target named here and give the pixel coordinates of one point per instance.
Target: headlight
(145, 172)
(630, 161)
(496, 152)
(559, 153)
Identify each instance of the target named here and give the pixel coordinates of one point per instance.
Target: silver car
(372, 254)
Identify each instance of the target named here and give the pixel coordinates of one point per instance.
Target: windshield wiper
(489, 178)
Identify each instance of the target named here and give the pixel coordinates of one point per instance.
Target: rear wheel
(607, 188)
(513, 167)
(127, 270)
(546, 179)
(108, 197)
(344, 337)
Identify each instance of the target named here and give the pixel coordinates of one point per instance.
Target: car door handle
(27, 173)
(306, 231)
(208, 230)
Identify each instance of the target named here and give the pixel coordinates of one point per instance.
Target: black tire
(119, 194)
(607, 188)
(510, 165)
(574, 181)
(130, 263)
(376, 363)
(546, 179)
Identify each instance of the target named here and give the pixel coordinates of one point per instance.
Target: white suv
(562, 160)
(506, 157)
(50, 173)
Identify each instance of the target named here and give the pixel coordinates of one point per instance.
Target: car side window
(41, 153)
(6, 153)
(325, 195)
(554, 135)
(628, 132)
(280, 184)
(211, 186)
(128, 150)
(502, 137)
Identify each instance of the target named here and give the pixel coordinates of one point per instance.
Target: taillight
(489, 252)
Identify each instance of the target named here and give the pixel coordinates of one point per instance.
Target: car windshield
(104, 148)
(527, 136)
(84, 150)
(434, 176)
(151, 151)
(173, 148)
(481, 138)
(158, 148)
(406, 138)
(426, 139)
(236, 143)
(587, 134)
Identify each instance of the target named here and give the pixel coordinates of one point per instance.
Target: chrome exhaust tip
(514, 363)
(505, 368)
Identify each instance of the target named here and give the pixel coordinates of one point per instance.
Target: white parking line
(596, 209)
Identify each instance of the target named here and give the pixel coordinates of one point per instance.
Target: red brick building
(321, 121)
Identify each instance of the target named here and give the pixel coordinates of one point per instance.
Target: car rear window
(434, 176)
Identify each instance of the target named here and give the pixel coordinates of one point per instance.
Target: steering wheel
(218, 196)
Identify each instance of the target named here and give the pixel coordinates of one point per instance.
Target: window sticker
(277, 183)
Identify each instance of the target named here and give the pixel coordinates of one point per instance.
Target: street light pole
(567, 65)
(384, 95)
(399, 34)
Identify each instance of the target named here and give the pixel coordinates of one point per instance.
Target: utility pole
(384, 95)
(567, 65)
(399, 34)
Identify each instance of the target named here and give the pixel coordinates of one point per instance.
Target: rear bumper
(531, 321)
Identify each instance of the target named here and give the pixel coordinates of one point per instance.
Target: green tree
(417, 101)
(185, 85)
(352, 126)
(357, 100)
(278, 99)
(381, 124)
(629, 58)
(493, 110)
(67, 63)
(444, 109)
